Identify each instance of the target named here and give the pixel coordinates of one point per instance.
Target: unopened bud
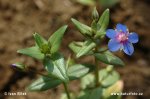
(19, 66)
(95, 15)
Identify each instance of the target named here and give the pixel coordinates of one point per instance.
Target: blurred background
(19, 19)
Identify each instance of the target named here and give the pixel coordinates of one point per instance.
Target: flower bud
(20, 66)
(95, 15)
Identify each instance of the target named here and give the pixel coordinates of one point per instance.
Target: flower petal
(110, 33)
(113, 45)
(133, 37)
(121, 27)
(128, 48)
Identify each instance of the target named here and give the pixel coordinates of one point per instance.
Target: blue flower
(120, 38)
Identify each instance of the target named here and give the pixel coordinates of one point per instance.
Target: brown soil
(19, 19)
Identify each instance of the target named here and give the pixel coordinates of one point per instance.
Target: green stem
(96, 70)
(66, 90)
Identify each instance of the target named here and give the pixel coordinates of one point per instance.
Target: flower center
(122, 37)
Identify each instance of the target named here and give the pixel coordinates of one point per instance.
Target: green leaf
(86, 2)
(108, 58)
(55, 40)
(86, 48)
(32, 52)
(56, 66)
(108, 3)
(75, 46)
(78, 70)
(95, 93)
(40, 41)
(44, 83)
(87, 81)
(95, 14)
(84, 29)
(107, 78)
(103, 23)
(104, 20)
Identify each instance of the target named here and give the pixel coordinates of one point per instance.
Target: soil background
(19, 19)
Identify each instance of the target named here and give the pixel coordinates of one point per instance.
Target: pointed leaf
(108, 58)
(86, 48)
(108, 78)
(75, 47)
(40, 41)
(103, 23)
(104, 20)
(32, 52)
(84, 29)
(78, 70)
(44, 83)
(56, 66)
(55, 40)
(87, 81)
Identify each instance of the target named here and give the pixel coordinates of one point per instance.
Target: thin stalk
(96, 70)
(66, 90)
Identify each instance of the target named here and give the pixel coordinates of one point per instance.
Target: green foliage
(87, 81)
(95, 14)
(79, 70)
(108, 58)
(56, 66)
(82, 48)
(108, 78)
(40, 41)
(108, 3)
(102, 92)
(59, 71)
(32, 52)
(44, 83)
(102, 23)
(86, 48)
(95, 93)
(75, 46)
(55, 40)
(84, 29)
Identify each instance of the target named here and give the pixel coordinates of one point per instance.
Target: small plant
(96, 83)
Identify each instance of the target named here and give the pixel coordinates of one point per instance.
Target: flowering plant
(96, 83)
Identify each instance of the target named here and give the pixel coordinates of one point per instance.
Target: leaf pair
(43, 46)
(107, 78)
(99, 26)
(108, 58)
(102, 24)
(82, 49)
(108, 84)
(46, 82)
